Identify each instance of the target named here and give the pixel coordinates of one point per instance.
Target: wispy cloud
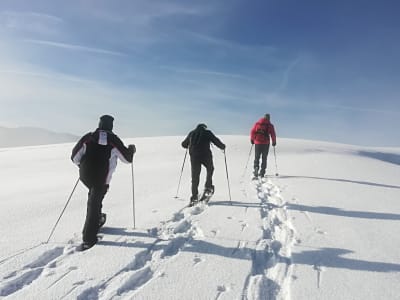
(146, 12)
(220, 42)
(75, 47)
(204, 72)
(285, 78)
(30, 22)
(51, 76)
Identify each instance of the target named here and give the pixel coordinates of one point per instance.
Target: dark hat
(267, 116)
(106, 122)
(201, 125)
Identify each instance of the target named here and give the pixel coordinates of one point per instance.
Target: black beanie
(202, 126)
(106, 122)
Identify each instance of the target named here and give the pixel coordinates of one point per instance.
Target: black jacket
(96, 154)
(198, 141)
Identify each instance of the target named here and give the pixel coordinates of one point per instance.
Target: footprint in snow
(197, 260)
(178, 216)
(320, 231)
(244, 226)
(220, 290)
(215, 232)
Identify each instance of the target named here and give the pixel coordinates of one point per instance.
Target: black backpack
(262, 129)
(196, 137)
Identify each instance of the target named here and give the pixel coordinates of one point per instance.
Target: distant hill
(31, 136)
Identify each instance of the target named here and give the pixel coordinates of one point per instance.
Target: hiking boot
(88, 244)
(193, 200)
(255, 173)
(209, 190)
(102, 219)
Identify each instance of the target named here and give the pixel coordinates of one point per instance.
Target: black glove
(223, 147)
(132, 148)
(274, 144)
(252, 142)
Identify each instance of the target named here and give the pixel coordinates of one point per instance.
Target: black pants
(94, 205)
(260, 151)
(197, 162)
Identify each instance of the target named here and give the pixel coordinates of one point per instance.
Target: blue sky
(324, 70)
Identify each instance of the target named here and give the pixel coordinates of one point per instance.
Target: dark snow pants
(94, 205)
(197, 161)
(261, 150)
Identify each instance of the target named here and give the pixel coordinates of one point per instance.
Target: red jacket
(262, 131)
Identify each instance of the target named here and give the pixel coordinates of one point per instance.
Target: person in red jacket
(262, 132)
(96, 154)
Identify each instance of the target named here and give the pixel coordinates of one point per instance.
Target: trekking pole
(180, 177)
(248, 158)
(227, 178)
(66, 204)
(133, 197)
(276, 165)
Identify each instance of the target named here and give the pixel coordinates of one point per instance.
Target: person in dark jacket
(198, 142)
(261, 133)
(96, 154)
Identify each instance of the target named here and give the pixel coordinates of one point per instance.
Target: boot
(193, 200)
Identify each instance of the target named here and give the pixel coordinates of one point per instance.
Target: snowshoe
(86, 245)
(207, 194)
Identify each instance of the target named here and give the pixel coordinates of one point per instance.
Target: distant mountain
(31, 136)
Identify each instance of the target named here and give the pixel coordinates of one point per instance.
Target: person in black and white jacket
(96, 154)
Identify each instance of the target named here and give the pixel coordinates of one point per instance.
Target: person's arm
(125, 154)
(186, 141)
(80, 149)
(216, 141)
(272, 134)
(253, 134)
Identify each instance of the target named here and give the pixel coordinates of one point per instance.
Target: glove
(223, 147)
(132, 148)
(252, 142)
(274, 144)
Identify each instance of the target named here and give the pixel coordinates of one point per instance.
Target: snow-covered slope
(30, 136)
(325, 228)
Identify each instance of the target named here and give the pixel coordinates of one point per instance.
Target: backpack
(196, 137)
(262, 129)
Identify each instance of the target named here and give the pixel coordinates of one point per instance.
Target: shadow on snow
(325, 257)
(392, 158)
(316, 209)
(343, 180)
(327, 210)
(333, 258)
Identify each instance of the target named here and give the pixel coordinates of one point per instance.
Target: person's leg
(264, 155)
(196, 168)
(208, 163)
(94, 204)
(257, 154)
